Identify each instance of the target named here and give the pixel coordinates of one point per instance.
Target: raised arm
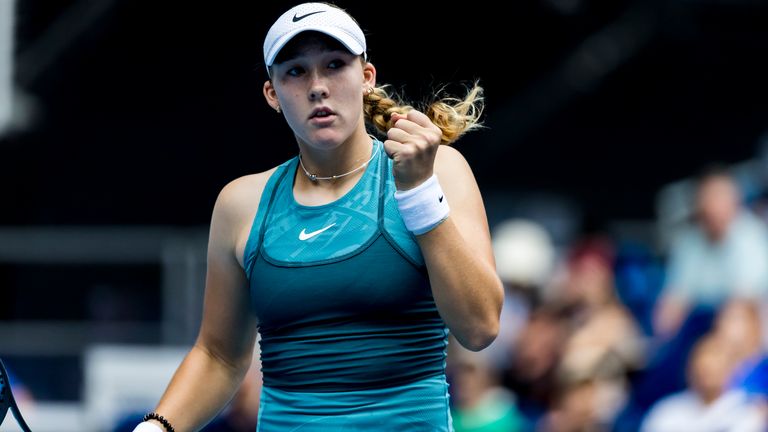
(458, 253)
(213, 369)
(459, 257)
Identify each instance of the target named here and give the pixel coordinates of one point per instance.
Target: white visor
(318, 17)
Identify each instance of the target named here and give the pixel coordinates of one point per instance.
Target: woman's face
(320, 91)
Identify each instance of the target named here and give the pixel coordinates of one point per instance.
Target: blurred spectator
(601, 325)
(739, 324)
(748, 396)
(694, 410)
(713, 405)
(603, 345)
(722, 256)
(736, 325)
(525, 257)
(479, 403)
(572, 411)
(582, 405)
(532, 373)
(524, 253)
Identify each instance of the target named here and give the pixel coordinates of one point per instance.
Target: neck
(346, 161)
(709, 396)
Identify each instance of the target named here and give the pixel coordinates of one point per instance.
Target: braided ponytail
(453, 116)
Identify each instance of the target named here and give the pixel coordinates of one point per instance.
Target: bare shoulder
(453, 171)
(448, 158)
(242, 194)
(234, 212)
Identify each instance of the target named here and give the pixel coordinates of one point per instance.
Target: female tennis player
(348, 258)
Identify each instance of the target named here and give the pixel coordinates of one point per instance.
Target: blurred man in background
(724, 255)
(726, 384)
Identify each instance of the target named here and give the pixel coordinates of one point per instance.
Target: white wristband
(424, 207)
(148, 427)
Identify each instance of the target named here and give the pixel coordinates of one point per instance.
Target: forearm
(200, 388)
(466, 289)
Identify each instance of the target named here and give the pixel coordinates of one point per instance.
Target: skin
(710, 367)
(717, 205)
(457, 253)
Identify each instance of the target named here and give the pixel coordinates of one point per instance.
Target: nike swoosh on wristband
(297, 18)
(304, 235)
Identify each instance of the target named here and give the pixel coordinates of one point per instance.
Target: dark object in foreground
(7, 400)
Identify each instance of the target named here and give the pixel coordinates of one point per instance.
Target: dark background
(143, 110)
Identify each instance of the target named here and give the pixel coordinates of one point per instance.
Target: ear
(369, 76)
(271, 95)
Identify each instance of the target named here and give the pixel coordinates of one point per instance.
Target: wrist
(156, 419)
(423, 207)
(413, 183)
(149, 426)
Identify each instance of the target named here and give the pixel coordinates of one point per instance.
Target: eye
(336, 64)
(295, 71)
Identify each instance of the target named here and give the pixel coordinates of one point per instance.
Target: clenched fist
(412, 144)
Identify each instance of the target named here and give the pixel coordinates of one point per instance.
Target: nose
(318, 89)
(317, 92)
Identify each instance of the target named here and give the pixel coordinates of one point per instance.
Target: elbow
(481, 337)
(235, 365)
(482, 331)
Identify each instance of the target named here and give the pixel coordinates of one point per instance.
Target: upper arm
(466, 203)
(228, 329)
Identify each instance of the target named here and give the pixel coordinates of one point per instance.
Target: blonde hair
(453, 116)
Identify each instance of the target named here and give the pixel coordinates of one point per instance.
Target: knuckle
(425, 139)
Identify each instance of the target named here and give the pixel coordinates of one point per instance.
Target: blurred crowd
(598, 335)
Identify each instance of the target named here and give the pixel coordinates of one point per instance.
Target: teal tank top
(340, 290)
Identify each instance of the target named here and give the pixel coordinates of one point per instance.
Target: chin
(326, 138)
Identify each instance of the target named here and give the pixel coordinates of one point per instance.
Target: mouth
(322, 112)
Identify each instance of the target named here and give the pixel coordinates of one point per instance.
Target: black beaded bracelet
(161, 419)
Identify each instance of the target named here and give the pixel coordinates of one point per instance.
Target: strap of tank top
(290, 168)
(384, 177)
